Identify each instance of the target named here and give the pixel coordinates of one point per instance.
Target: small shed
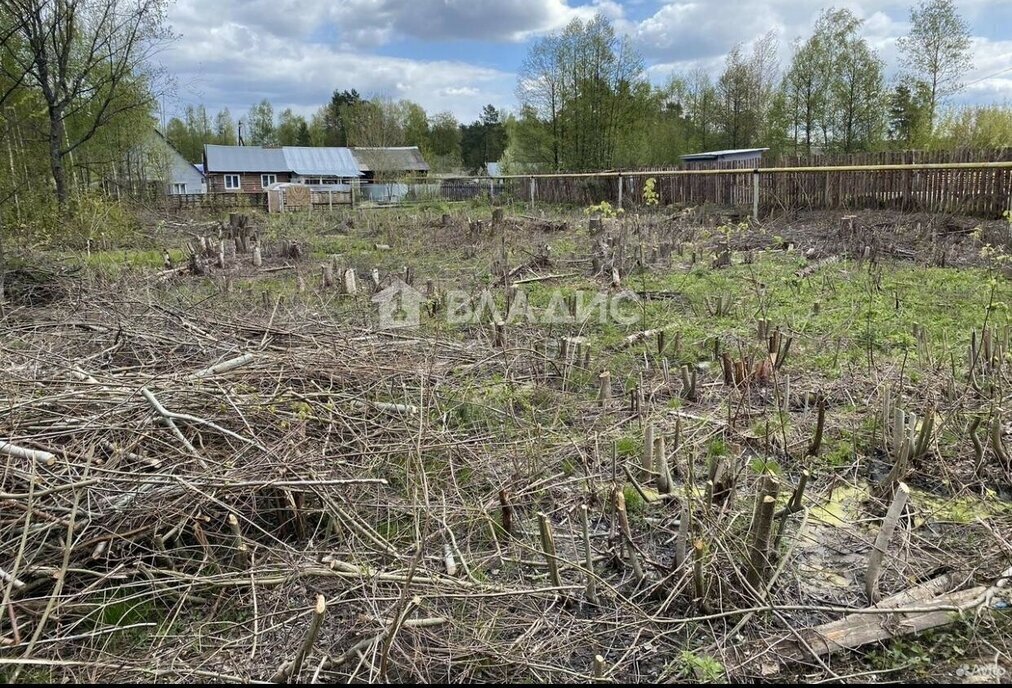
(745, 158)
(390, 163)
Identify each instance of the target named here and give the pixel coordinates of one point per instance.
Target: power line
(983, 78)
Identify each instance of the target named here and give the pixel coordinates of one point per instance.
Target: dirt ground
(220, 465)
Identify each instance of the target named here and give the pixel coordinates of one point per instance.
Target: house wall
(249, 181)
(182, 172)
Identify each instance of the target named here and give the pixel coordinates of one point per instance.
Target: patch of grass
(634, 504)
(704, 668)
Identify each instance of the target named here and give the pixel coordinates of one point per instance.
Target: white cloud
(683, 35)
(236, 61)
(295, 53)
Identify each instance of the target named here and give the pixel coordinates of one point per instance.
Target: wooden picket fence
(961, 182)
(968, 182)
(211, 202)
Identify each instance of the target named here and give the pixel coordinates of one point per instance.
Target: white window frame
(178, 189)
(236, 186)
(264, 177)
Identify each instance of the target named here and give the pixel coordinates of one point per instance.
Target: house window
(268, 179)
(232, 182)
(178, 189)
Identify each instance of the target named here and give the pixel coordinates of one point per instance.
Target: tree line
(80, 85)
(348, 120)
(586, 102)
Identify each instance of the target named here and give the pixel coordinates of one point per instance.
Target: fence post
(755, 195)
(533, 182)
(619, 191)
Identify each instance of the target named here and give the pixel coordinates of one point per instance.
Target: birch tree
(937, 50)
(90, 60)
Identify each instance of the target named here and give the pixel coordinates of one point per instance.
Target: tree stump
(847, 226)
(350, 286)
(723, 258)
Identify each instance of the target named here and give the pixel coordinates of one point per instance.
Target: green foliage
(650, 195)
(260, 128)
(581, 117)
(705, 668)
(96, 217)
(634, 503)
(937, 52)
(484, 140)
(834, 87)
(985, 126)
(628, 446)
(717, 447)
(604, 209)
(763, 465)
(908, 115)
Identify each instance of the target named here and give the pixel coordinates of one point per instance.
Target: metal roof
(244, 159)
(314, 161)
(714, 155)
(400, 159)
(324, 162)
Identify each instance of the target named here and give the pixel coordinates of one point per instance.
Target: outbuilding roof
(399, 159)
(717, 155)
(329, 162)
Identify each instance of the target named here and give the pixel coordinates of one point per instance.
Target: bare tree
(581, 82)
(745, 90)
(88, 59)
(540, 86)
(937, 50)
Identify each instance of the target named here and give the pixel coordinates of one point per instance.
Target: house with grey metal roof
(252, 169)
(244, 169)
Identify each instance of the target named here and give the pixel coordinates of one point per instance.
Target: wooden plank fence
(970, 182)
(210, 202)
(966, 187)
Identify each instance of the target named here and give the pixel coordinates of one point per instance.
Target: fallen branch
(24, 453)
(224, 366)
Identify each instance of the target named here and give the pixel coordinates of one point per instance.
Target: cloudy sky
(457, 55)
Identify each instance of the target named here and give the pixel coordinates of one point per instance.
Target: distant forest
(586, 104)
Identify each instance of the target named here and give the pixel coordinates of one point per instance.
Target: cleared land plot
(192, 455)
